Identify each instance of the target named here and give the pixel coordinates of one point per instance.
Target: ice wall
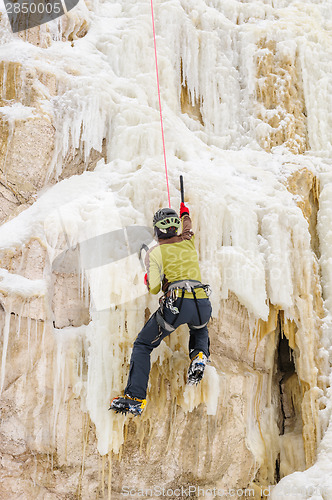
(316, 481)
(246, 99)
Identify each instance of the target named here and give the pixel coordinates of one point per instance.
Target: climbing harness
(159, 99)
(169, 297)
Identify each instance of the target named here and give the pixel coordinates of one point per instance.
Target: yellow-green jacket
(174, 259)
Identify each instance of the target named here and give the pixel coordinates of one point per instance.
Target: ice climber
(172, 265)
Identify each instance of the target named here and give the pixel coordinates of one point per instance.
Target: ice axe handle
(181, 188)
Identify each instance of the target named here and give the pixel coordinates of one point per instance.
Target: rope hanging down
(161, 115)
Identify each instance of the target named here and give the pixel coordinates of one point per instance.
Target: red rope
(161, 115)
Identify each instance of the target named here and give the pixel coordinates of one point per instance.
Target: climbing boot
(196, 368)
(127, 404)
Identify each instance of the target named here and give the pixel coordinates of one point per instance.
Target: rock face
(79, 158)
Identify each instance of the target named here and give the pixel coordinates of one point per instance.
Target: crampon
(196, 369)
(127, 404)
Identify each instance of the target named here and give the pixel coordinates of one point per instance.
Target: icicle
(18, 328)
(28, 334)
(5, 335)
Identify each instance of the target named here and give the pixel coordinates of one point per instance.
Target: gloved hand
(146, 279)
(183, 210)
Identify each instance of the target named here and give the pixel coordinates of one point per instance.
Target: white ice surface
(23, 287)
(251, 235)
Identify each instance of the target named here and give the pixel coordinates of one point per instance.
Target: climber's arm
(186, 232)
(154, 268)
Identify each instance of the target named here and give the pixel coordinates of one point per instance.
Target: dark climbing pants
(152, 334)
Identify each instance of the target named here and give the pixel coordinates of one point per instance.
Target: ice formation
(245, 88)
